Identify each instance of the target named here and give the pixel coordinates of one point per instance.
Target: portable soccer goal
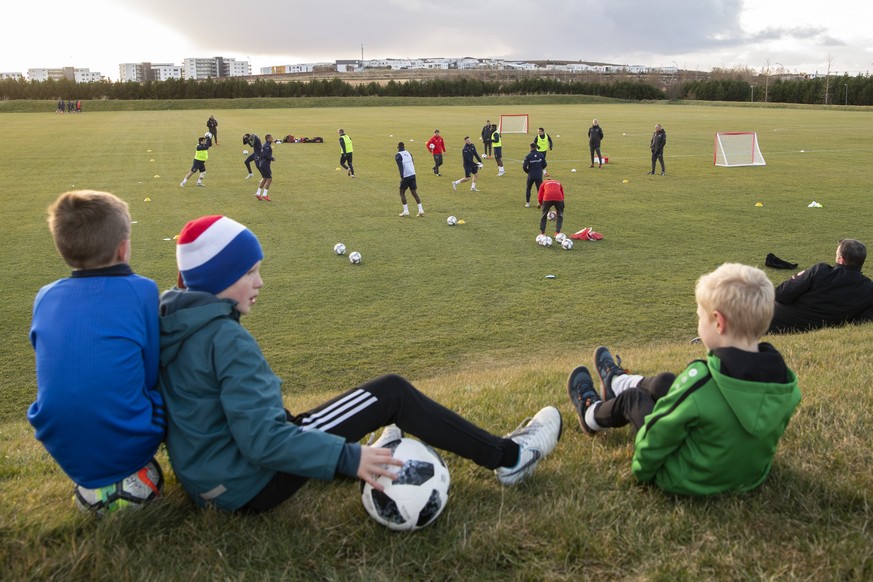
(513, 123)
(737, 148)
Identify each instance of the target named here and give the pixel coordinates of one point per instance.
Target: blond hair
(743, 294)
(88, 226)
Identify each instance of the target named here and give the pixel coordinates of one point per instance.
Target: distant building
(11, 76)
(139, 72)
(69, 73)
(214, 68)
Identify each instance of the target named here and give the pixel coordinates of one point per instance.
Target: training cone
(147, 200)
(625, 181)
(148, 151)
(156, 176)
(176, 237)
(573, 170)
(152, 160)
(461, 221)
(758, 204)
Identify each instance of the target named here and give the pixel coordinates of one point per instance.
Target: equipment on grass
(339, 248)
(451, 221)
(355, 258)
(552, 215)
(513, 123)
(208, 135)
(132, 491)
(245, 152)
(547, 241)
(566, 243)
(419, 493)
(559, 238)
(737, 148)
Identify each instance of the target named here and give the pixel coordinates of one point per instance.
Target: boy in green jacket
(232, 443)
(715, 428)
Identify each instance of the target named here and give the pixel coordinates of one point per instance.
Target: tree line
(833, 90)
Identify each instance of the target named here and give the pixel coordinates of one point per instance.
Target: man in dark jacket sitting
(824, 296)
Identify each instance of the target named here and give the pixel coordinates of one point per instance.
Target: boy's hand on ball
(374, 464)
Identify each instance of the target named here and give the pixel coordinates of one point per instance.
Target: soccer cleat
(390, 434)
(580, 389)
(474, 190)
(663, 173)
(591, 166)
(536, 439)
(438, 174)
(652, 173)
(266, 198)
(181, 184)
(501, 172)
(455, 186)
(200, 184)
(599, 166)
(249, 176)
(421, 212)
(402, 214)
(527, 204)
(258, 196)
(607, 368)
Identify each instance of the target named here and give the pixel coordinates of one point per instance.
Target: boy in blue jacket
(97, 411)
(230, 439)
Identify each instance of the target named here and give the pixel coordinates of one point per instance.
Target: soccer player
(407, 178)
(436, 146)
(497, 146)
(659, 140)
(472, 163)
(544, 143)
(551, 195)
(595, 136)
(266, 159)
(254, 141)
(201, 154)
(534, 164)
(487, 132)
(212, 126)
(346, 152)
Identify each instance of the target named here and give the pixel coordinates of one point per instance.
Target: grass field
(466, 313)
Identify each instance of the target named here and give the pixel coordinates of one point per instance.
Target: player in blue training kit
(472, 163)
(266, 159)
(534, 165)
(254, 141)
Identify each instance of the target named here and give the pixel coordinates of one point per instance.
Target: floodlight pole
(753, 93)
(847, 94)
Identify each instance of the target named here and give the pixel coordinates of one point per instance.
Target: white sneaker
(527, 204)
(404, 214)
(421, 212)
(182, 184)
(474, 190)
(455, 186)
(249, 176)
(390, 434)
(501, 172)
(536, 440)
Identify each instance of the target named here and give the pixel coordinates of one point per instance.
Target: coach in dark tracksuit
(254, 141)
(534, 164)
(595, 136)
(823, 296)
(659, 140)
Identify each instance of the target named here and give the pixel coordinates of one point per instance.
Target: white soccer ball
(540, 238)
(567, 243)
(547, 241)
(559, 238)
(552, 215)
(419, 493)
(432, 146)
(131, 492)
(355, 258)
(339, 248)
(208, 135)
(245, 152)
(451, 221)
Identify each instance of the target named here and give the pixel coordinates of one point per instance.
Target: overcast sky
(797, 35)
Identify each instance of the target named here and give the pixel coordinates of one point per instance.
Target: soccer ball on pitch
(208, 135)
(245, 152)
(133, 491)
(355, 258)
(547, 241)
(559, 238)
(451, 221)
(419, 493)
(339, 248)
(567, 243)
(552, 215)
(540, 238)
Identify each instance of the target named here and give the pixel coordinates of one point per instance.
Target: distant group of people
(70, 106)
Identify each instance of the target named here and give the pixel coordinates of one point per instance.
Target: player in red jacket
(551, 195)
(436, 146)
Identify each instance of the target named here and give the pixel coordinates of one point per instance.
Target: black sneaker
(607, 368)
(580, 389)
(650, 173)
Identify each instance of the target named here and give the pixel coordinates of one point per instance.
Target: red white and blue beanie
(213, 252)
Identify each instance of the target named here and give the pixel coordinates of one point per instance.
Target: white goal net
(514, 123)
(737, 148)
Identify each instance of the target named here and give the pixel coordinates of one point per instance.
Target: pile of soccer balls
(561, 239)
(419, 493)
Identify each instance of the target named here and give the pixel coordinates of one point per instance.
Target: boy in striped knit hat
(232, 443)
